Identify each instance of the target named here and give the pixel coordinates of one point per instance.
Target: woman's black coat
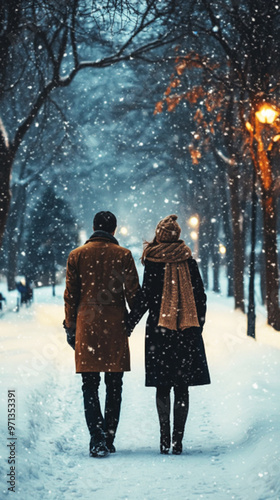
(171, 357)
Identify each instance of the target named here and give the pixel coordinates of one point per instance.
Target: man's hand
(71, 335)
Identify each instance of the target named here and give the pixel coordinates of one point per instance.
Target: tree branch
(218, 35)
(73, 34)
(24, 127)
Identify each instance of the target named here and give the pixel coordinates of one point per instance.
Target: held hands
(127, 324)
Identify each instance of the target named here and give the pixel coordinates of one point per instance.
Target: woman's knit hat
(168, 229)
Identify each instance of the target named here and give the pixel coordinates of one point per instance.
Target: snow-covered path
(232, 438)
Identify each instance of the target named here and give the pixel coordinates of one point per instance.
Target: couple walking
(101, 277)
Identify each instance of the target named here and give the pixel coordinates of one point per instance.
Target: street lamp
(123, 230)
(265, 115)
(194, 235)
(222, 249)
(193, 223)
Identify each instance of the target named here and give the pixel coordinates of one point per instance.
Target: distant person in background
(29, 292)
(173, 293)
(22, 290)
(26, 292)
(2, 299)
(101, 276)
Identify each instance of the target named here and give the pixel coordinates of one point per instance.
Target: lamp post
(264, 116)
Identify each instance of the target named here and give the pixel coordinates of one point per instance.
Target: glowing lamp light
(194, 235)
(123, 230)
(267, 114)
(222, 249)
(194, 221)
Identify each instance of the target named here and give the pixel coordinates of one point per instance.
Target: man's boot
(113, 401)
(93, 415)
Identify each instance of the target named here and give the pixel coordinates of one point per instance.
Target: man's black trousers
(102, 428)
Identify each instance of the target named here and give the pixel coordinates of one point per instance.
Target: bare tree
(45, 44)
(236, 45)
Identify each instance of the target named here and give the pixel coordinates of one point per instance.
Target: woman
(174, 351)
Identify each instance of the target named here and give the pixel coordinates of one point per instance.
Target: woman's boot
(181, 408)
(163, 409)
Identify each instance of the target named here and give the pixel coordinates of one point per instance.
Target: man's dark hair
(105, 221)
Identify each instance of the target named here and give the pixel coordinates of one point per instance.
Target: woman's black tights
(180, 413)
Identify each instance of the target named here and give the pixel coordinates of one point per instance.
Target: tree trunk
(215, 255)
(5, 193)
(263, 168)
(229, 256)
(227, 226)
(227, 221)
(238, 244)
(251, 315)
(272, 273)
(204, 247)
(12, 263)
(14, 233)
(262, 276)
(216, 271)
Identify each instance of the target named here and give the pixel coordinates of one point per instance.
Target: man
(101, 277)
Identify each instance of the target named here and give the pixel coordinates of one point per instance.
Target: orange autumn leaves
(198, 94)
(183, 63)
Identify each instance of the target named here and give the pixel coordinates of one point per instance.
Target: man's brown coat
(101, 276)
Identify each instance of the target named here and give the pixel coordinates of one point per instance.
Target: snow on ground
(232, 438)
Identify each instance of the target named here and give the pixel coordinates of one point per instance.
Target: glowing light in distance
(194, 235)
(123, 230)
(194, 221)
